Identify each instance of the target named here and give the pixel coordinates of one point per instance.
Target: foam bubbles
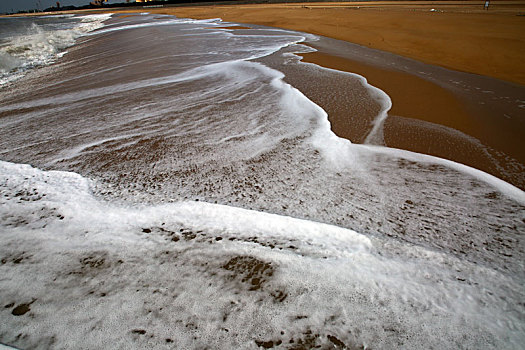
(217, 209)
(199, 273)
(505, 188)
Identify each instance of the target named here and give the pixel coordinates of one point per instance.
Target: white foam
(113, 263)
(118, 27)
(167, 22)
(192, 74)
(504, 187)
(376, 134)
(42, 47)
(132, 276)
(59, 16)
(296, 105)
(201, 72)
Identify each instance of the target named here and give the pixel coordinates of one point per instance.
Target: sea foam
(208, 274)
(42, 43)
(217, 209)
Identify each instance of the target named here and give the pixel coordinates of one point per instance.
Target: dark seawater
(182, 193)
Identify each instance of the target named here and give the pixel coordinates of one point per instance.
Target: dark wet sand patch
(249, 270)
(21, 309)
(419, 108)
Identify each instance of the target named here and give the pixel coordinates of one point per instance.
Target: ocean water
(164, 185)
(30, 42)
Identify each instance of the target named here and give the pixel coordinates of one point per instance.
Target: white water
(340, 281)
(40, 44)
(424, 266)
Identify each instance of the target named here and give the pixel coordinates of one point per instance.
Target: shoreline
(428, 115)
(456, 130)
(185, 173)
(450, 34)
(459, 128)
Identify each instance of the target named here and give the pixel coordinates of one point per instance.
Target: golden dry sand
(459, 34)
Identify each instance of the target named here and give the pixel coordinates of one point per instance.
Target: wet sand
(426, 113)
(430, 114)
(426, 116)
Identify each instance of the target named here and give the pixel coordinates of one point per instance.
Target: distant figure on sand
(486, 6)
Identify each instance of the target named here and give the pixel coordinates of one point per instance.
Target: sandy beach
(174, 182)
(454, 35)
(426, 113)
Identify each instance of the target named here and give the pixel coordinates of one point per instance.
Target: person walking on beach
(486, 6)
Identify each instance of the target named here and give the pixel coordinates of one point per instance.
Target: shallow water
(201, 200)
